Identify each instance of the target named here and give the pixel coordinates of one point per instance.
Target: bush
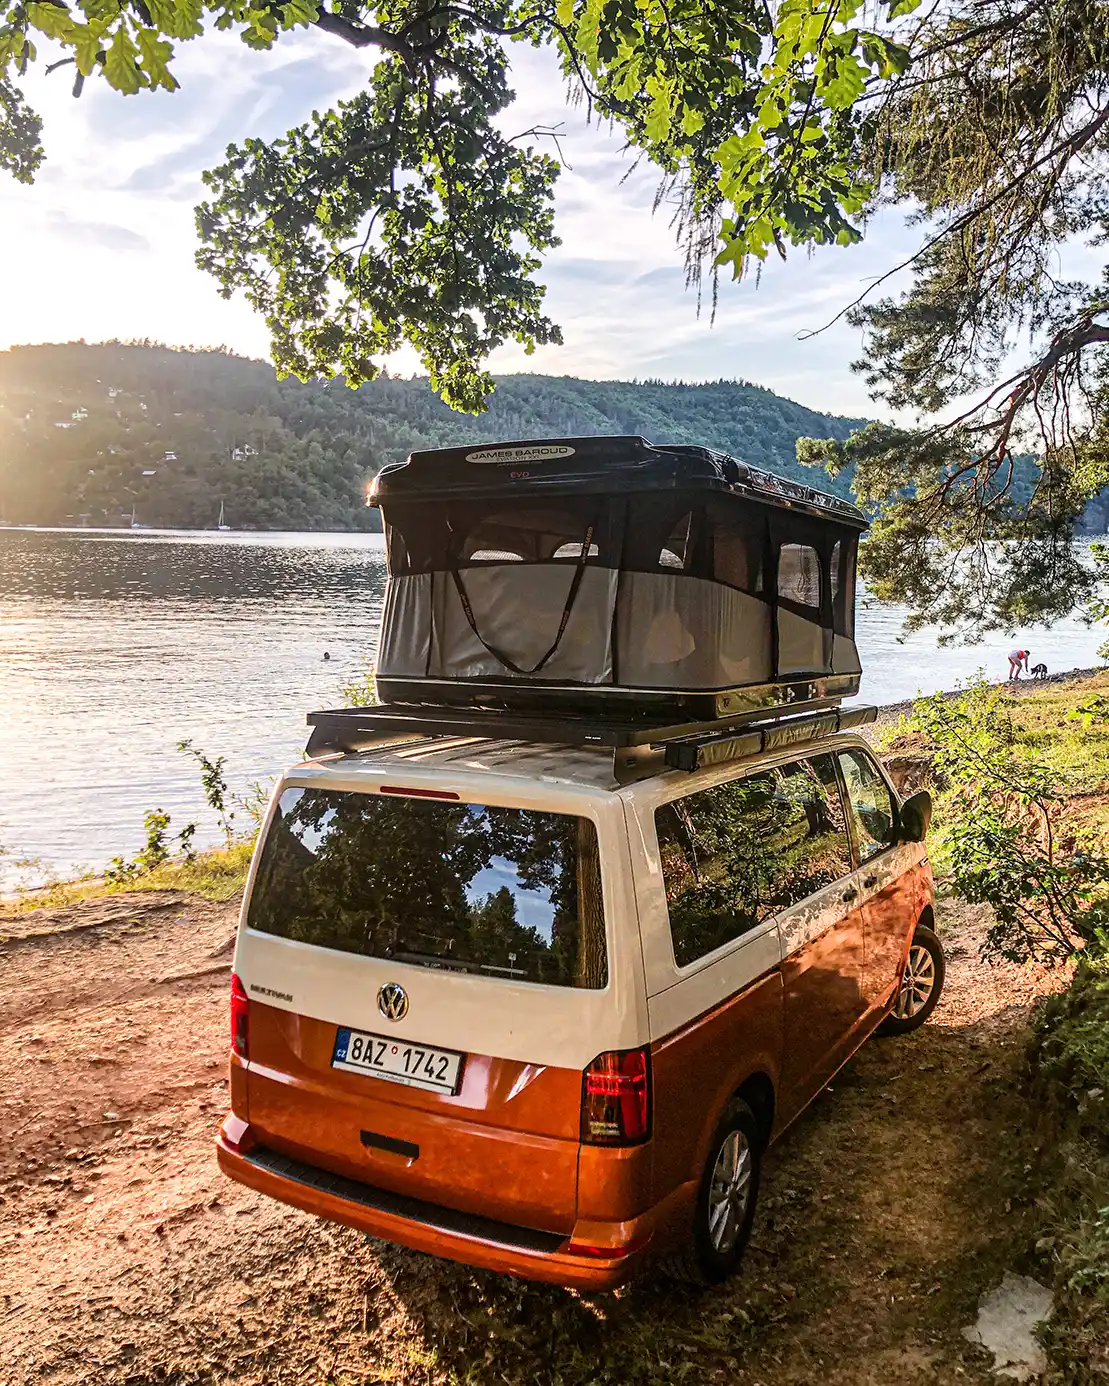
(1005, 840)
(1070, 1042)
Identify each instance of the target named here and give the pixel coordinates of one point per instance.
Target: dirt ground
(126, 1257)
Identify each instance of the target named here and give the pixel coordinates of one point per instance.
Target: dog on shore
(1038, 671)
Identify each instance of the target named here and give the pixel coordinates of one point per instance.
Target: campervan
(533, 984)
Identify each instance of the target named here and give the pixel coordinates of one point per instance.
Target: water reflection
(114, 646)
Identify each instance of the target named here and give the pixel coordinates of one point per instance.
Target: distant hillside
(95, 433)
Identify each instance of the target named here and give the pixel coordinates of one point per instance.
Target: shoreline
(890, 713)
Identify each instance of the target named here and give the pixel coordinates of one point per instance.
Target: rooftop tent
(611, 575)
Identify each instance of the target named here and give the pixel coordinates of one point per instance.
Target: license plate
(398, 1061)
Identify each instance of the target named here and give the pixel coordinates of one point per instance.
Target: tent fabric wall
(845, 655)
(674, 631)
(802, 645)
(517, 608)
(405, 637)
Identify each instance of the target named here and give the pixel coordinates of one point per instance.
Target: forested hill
(92, 434)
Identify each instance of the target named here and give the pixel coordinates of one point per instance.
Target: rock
(1007, 1318)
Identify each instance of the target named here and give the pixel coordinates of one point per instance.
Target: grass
(219, 874)
(1050, 728)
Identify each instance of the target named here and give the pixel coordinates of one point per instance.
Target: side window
(871, 806)
(809, 847)
(799, 574)
(738, 853)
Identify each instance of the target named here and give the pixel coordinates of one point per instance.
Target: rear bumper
(524, 1252)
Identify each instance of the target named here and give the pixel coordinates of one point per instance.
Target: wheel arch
(927, 918)
(757, 1090)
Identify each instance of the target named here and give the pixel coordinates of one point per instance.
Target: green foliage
(214, 875)
(154, 852)
(1097, 607)
(20, 129)
(1070, 1048)
(402, 214)
(1069, 1062)
(362, 690)
(282, 455)
(1004, 841)
(214, 784)
(996, 139)
(185, 842)
(155, 856)
(954, 541)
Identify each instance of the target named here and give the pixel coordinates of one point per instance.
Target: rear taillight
(616, 1098)
(240, 1018)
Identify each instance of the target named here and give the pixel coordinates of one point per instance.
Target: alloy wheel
(916, 984)
(730, 1191)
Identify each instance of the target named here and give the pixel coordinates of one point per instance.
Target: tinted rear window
(503, 892)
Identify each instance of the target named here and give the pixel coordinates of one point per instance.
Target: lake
(116, 645)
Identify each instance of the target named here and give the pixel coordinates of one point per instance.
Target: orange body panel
(824, 1004)
(698, 1068)
(505, 1146)
(585, 1271)
(891, 917)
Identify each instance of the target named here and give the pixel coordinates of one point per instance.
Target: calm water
(115, 646)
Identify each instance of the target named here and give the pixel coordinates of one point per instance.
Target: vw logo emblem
(392, 1001)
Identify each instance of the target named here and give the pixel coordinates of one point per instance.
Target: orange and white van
(493, 1003)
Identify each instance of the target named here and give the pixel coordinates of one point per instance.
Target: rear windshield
(498, 891)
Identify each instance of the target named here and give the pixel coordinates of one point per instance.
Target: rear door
(428, 976)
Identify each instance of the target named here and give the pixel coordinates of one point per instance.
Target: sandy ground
(125, 1257)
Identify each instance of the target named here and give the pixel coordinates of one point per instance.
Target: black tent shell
(613, 576)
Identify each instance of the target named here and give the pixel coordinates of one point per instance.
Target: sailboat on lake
(219, 523)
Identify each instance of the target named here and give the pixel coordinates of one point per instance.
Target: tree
(404, 214)
(997, 135)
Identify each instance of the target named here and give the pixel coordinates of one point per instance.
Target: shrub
(1004, 841)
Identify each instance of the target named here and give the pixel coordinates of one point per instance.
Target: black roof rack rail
(637, 748)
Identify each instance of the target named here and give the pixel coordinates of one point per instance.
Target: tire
(716, 1240)
(921, 985)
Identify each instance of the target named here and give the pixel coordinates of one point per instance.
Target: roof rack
(637, 749)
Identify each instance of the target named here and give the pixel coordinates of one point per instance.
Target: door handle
(849, 895)
(870, 882)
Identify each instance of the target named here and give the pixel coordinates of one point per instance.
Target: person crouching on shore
(1018, 660)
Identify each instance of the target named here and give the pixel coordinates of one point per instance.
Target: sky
(102, 245)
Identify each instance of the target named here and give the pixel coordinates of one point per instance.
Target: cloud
(97, 233)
